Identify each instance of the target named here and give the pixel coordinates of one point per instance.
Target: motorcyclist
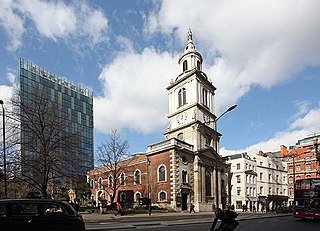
(227, 217)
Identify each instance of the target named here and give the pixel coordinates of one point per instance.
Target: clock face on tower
(182, 118)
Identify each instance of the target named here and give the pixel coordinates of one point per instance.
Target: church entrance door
(184, 201)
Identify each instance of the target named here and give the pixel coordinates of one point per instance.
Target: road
(264, 224)
(248, 222)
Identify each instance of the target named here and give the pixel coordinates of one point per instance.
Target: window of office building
(308, 167)
(238, 166)
(238, 191)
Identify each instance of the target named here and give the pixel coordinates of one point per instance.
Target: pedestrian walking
(192, 208)
(227, 218)
(254, 208)
(213, 206)
(119, 209)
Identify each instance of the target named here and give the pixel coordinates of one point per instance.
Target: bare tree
(44, 142)
(113, 155)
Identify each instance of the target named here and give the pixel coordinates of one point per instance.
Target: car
(39, 214)
(284, 209)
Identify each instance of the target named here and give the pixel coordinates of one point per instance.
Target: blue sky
(263, 56)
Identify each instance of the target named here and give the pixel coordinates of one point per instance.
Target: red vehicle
(307, 199)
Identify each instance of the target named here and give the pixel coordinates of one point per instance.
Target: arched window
(110, 182)
(137, 197)
(91, 184)
(208, 139)
(162, 173)
(205, 97)
(198, 65)
(100, 183)
(123, 197)
(162, 196)
(185, 65)
(182, 97)
(137, 177)
(122, 179)
(208, 184)
(184, 176)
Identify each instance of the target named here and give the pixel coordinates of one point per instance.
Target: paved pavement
(94, 217)
(95, 220)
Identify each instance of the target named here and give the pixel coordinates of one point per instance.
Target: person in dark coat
(228, 221)
(192, 208)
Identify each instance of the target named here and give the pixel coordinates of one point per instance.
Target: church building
(186, 166)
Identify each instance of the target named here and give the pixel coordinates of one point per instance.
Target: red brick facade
(149, 181)
(302, 162)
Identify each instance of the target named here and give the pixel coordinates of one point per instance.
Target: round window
(184, 160)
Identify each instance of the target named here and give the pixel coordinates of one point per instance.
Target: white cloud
(54, 20)
(5, 92)
(250, 43)
(259, 42)
(135, 93)
(93, 23)
(303, 108)
(12, 23)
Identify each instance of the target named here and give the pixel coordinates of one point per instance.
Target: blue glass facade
(76, 105)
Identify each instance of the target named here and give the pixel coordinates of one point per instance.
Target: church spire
(190, 59)
(190, 46)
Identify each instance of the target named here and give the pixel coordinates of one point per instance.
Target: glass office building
(74, 100)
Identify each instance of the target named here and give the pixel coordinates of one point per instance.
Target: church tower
(191, 101)
(185, 167)
(195, 170)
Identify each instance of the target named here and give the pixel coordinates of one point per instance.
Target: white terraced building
(259, 181)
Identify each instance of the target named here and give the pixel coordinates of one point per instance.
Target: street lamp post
(4, 151)
(216, 147)
(149, 185)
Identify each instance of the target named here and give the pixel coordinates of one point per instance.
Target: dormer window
(185, 65)
(182, 97)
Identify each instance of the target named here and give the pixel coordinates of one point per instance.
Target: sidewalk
(98, 217)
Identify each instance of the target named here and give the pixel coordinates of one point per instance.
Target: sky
(262, 55)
